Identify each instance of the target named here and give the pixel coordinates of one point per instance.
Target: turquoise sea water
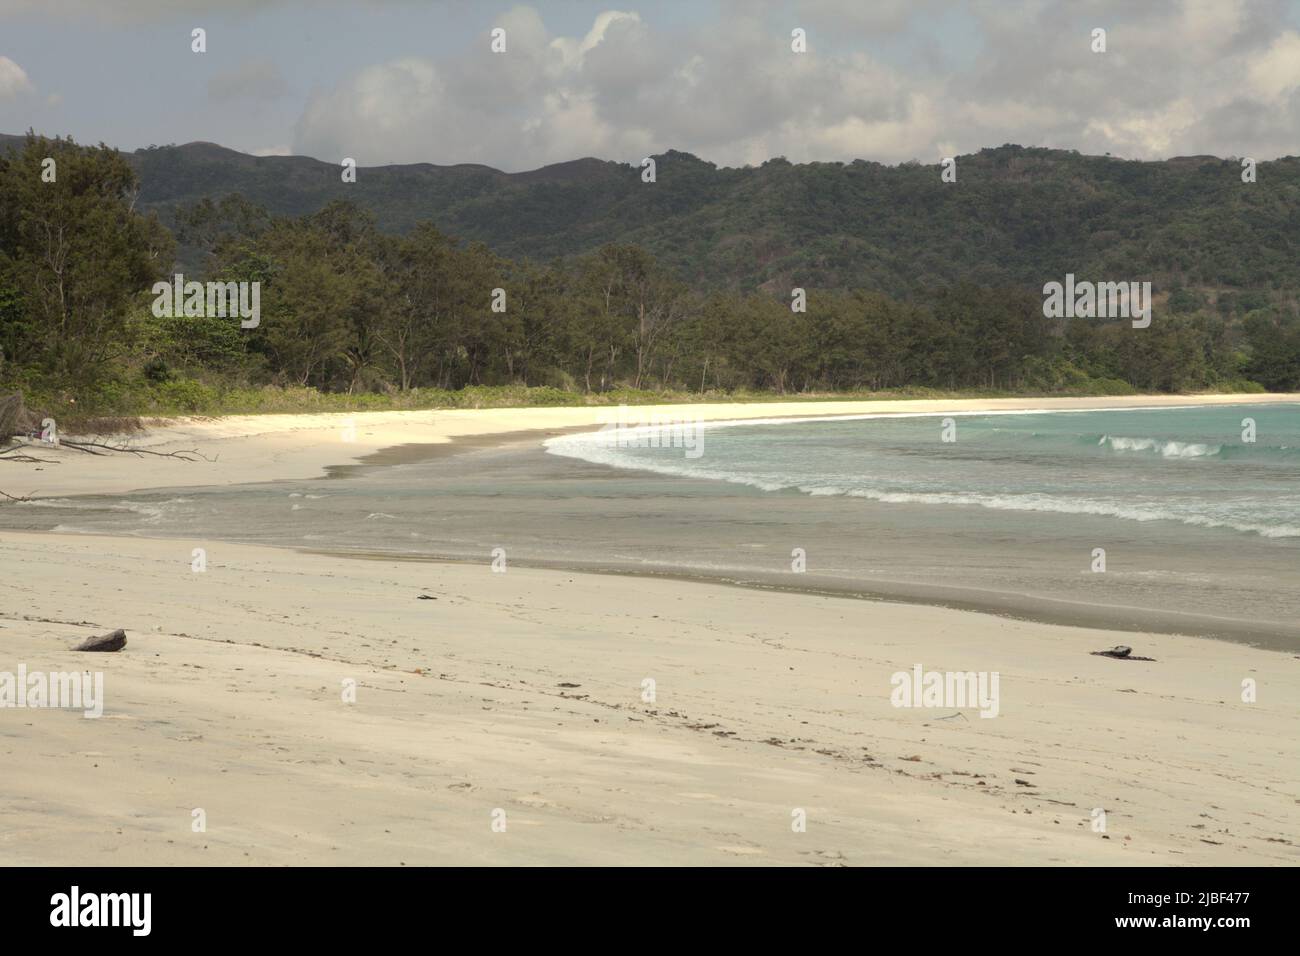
(1189, 465)
(1200, 528)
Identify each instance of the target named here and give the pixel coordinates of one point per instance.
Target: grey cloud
(1177, 78)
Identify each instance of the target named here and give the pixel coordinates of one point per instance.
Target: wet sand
(561, 513)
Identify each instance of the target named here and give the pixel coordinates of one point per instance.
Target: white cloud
(572, 51)
(619, 91)
(1180, 77)
(898, 77)
(886, 81)
(1154, 133)
(13, 79)
(1277, 72)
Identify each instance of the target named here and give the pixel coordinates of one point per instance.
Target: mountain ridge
(1015, 215)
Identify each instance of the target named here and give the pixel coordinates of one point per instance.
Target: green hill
(1015, 215)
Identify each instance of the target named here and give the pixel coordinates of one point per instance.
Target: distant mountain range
(1015, 214)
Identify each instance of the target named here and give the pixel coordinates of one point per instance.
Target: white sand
(228, 698)
(249, 448)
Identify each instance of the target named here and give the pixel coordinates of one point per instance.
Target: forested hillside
(585, 281)
(1015, 215)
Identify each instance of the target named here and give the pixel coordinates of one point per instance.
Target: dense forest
(1013, 216)
(584, 280)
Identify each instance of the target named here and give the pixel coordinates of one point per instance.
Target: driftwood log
(1121, 652)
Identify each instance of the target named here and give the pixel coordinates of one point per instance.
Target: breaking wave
(1163, 447)
(1249, 513)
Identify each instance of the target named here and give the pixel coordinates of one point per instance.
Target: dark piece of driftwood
(1122, 653)
(104, 642)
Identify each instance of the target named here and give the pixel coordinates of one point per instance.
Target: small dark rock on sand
(104, 642)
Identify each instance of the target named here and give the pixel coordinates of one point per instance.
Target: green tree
(75, 251)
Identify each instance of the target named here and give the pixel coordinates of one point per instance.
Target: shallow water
(1186, 465)
(1198, 527)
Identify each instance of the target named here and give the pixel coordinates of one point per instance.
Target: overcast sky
(400, 81)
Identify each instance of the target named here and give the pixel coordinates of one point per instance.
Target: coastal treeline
(346, 308)
(1013, 215)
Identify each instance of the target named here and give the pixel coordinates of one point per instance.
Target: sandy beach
(247, 448)
(322, 710)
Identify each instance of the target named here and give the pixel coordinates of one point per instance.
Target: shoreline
(246, 449)
(465, 434)
(1006, 605)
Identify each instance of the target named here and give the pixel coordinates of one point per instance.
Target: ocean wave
(1166, 448)
(1079, 506)
(605, 453)
(152, 512)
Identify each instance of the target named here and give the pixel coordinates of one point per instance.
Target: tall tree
(75, 250)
